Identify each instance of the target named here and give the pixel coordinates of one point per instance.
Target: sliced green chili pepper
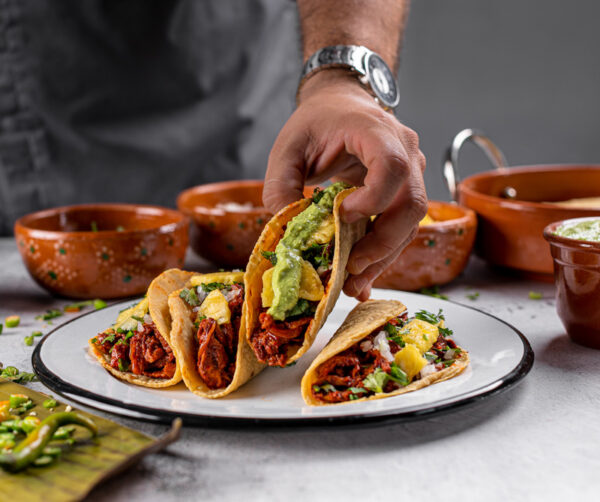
(99, 304)
(16, 400)
(50, 403)
(12, 321)
(31, 448)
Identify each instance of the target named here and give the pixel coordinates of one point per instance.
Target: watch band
(355, 59)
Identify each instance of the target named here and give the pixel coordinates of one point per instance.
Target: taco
(137, 347)
(378, 352)
(207, 334)
(296, 273)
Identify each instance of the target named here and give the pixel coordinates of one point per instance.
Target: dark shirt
(134, 100)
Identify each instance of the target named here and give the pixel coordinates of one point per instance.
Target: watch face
(382, 81)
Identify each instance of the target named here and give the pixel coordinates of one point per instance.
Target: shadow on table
(562, 353)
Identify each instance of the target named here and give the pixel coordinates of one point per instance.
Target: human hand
(339, 132)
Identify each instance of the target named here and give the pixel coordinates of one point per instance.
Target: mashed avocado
(287, 272)
(586, 230)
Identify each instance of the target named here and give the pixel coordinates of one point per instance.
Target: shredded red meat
(217, 344)
(146, 353)
(350, 367)
(150, 354)
(271, 341)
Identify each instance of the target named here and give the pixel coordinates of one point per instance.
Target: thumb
(286, 173)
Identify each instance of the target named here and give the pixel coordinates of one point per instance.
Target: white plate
(500, 357)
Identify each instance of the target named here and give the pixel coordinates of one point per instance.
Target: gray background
(525, 72)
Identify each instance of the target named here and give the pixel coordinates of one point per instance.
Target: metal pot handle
(450, 166)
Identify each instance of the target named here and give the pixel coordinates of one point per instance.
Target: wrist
(335, 80)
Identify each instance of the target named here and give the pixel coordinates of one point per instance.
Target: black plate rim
(83, 396)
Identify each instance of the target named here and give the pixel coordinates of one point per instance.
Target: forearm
(376, 24)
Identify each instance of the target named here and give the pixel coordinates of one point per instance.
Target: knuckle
(421, 160)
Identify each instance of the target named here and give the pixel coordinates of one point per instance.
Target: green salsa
(586, 230)
(287, 271)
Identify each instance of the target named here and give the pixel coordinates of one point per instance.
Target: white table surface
(538, 440)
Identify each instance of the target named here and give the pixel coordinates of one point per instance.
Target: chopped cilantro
(110, 338)
(357, 390)
(473, 296)
(397, 375)
(318, 255)
(445, 331)
(433, 291)
(123, 366)
(271, 256)
(50, 314)
(211, 286)
(301, 308)
(317, 195)
(376, 381)
(429, 356)
(449, 362)
(128, 335)
(429, 317)
(291, 364)
(137, 318)
(190, 297)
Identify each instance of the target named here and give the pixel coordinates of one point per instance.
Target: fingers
(388, 166)
(285, 175)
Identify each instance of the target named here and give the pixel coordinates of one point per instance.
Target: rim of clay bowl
(212, 188)
(559, 240)
(468, 218)
(465, 188)
(179, 220)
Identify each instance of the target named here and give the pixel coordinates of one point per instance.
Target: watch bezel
(374, 85)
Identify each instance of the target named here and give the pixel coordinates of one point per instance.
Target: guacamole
(586, 230)
(287, 271)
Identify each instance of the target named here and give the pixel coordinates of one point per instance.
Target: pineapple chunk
(420, 333)
(324, 233)
(125, 319)
(224, 277)
(427, 220)
(216, 307)
(410, 360)
(311, 287)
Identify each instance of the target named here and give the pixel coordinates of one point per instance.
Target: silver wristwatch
(370, 68)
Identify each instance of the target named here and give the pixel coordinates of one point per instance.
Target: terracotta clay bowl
(577, 279)
(439, 252)
(514, 204)
(510, 231)
(101, 250)
(225, 235)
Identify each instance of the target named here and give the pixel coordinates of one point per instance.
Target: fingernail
(360, 284)
(359, 264)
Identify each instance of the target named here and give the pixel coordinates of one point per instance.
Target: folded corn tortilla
(346, 235)
(183, 342)
(365, 318)
(158, 309)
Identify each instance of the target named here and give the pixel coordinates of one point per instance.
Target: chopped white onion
(139, 326)
(383, 346)
(196, 309)
(449, 354)
(366, 346)
(201, 294)
(231, 294)
(147, 319)
(428, 370)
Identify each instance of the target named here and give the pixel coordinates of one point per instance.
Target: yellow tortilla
(158, 307)
(365, 318)
(346, 235)
(182, 341)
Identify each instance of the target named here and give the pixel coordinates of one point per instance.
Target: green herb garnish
(317, 195)
(433, 291)
(211, 286)
(270, 255)
(303, 307)
(99, 304)
(109, 339)
(50, 314)
(473, 296)
(445, 331)
(429, 317)
(94, 226)
(398, 375)
(317, 255)
(190, 297)
(123, 366)
(376, 381)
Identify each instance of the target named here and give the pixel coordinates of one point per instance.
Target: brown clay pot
(65, 256)
(510, 231)
(439, 252)
(577, 279)
(222, 236)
